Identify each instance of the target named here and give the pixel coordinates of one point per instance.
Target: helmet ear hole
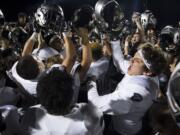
(177, 37)
(144, 21)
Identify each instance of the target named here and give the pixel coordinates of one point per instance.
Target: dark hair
(27, 67)
(96, 50)
(155, 57)
(22, 14)
(55, 92)
(7, 59)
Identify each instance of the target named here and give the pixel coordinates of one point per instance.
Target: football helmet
(148, 19)
(83, 16)
(170, 39)
(109, 14)
(50, 17)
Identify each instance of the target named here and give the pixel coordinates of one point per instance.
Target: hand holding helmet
(148, 19)
(83, 17)
(83, 33)
(109, 14)
(49, 19)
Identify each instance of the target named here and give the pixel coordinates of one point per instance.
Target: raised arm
(86, 53)
(69, 59)
(126, 45)
(140, 29)
(29, 45)
(118, 57)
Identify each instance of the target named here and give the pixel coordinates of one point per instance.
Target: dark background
(167, 12)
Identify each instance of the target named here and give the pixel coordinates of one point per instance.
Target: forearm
(111, 104)
(141, 31)
(107, 47)
(29, 45)
(118, 57)
(70, 53)
(92, 92)
(95, 99)
(126, 49)
(86, 60)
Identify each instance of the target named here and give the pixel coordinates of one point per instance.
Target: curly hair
(27, 67)
(55, 92)
(154, 56)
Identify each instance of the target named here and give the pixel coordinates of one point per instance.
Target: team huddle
(98, 74)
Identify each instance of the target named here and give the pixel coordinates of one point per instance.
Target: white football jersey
(82, 120)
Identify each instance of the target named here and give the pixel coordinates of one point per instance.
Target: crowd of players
(94, 76)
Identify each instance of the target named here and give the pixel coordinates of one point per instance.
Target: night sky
(166, 11)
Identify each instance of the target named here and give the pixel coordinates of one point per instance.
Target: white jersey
(129, 102)
(98, 68)
(80, 121)
(30, 85)
(139, 92)
(44, 53)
